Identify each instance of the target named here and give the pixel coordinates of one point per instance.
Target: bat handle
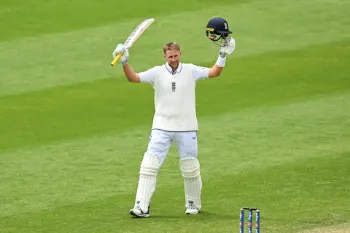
(116, 59)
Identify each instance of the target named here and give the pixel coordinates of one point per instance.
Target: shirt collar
(178, 70)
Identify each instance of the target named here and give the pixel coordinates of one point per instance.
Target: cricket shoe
(191, 208)
(138, 213)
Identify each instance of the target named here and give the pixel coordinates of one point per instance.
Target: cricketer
(175, 117)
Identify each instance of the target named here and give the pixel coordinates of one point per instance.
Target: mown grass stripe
(279, 199)
(75, 171)
(114, 105)
(84, 55)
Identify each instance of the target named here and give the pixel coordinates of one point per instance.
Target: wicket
(250, 220)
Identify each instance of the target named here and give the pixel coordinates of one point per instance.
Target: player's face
(173, 58)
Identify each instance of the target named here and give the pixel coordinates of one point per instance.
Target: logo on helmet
(217, 30)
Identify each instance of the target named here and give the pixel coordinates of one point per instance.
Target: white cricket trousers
(160, 142)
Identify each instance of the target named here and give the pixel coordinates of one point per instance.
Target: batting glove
(228, 47)
(121, 49)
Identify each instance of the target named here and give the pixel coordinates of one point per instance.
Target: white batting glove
(121, 49)
(228, 47)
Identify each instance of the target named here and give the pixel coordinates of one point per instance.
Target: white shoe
(138, 213)
(191, 208)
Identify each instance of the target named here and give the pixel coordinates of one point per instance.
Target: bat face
(138, 32)
(134, 36)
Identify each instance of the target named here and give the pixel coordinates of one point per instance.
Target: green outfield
(274, 128)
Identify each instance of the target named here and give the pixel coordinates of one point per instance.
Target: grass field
(274, 128)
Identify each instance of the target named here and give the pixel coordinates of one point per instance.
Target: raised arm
(217, 68)
(129, 72)
(227, 49)
(145, 77)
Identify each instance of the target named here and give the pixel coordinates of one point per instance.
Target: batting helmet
(217, 28)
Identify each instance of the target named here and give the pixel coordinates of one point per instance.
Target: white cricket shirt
(174, 95)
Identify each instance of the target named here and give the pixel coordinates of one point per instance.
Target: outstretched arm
(217, 68)
(130, 74)
(144, 77)
(128, 70)
(227, 49)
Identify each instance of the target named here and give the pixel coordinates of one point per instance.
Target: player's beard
(174, 65)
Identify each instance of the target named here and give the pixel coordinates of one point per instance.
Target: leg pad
(190, 169)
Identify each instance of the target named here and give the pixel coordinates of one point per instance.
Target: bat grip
(116, 59)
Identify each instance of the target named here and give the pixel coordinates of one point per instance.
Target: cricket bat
(134, 36)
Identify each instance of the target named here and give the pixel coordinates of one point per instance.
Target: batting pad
(147, 181)
(190, 169)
